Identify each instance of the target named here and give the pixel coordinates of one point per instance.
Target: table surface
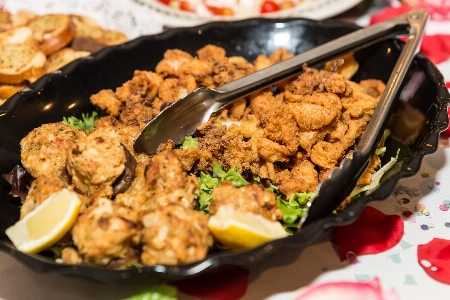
(396, 268)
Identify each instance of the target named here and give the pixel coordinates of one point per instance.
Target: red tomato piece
(184, 5)
(269, 6)
(220, 11)
(166, 2)
(287, 5)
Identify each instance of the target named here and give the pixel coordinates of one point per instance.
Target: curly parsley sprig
(86, 122)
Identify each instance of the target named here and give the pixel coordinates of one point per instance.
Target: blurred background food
(32, 45)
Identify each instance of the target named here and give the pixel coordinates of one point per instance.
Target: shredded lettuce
(189, 142)
(294, 209)
(86, 122)
(376, 177)
(381, 148)
(208, 183)
(159, 292)
(231, 175)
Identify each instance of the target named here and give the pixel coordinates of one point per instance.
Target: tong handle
(332, 191)
(328, 51)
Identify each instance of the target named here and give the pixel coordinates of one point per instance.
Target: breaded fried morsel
(95, 163)
(173, 235)
(106, 231)
(253, 198)
(44, 149)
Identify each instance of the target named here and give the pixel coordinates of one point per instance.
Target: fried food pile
(292, 134)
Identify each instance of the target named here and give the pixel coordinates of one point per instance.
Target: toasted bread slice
(62, 57)
(5, 21)
(89, 36)
(52, 32)
(21, 59)
(7, 90)
(9, 21)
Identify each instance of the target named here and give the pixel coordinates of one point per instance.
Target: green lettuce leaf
(189, 142)
(208, 183)
(159, 292)
(294, 209)
(376, 177)
(231, 175)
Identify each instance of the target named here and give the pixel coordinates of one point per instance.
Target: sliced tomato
(287, 5)
(184, 5)
(166, 2)
(220, 11)
(269, 6)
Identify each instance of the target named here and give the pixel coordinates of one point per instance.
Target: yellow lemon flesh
(242, 231)
(47, 224)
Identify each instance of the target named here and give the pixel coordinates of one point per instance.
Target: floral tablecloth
(398, 249)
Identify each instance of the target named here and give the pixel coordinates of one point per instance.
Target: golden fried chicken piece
(248, 127)
(96, 162)
(262, 61)
(304, 178)
(201, 70)
(326, 155)
(315, 111)
(172, 60)
(173, 89)
(271, 151)
(263, 101)
(359, 103)
(273, 172)
(107, 100)
(253, 198)
(43, 150)
(332, 82)
(173, 234)
(356, 127)
(136, 95)
(280, 126)
(191, 157)
(144, 84)
(106, 231)
(238, 109)
(211, 52)
(232, 68)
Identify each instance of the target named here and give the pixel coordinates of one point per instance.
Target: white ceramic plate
(311, 9)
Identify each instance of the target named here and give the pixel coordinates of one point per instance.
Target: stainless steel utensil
(185, 115)
(342, 181)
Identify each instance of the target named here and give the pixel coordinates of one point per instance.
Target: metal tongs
(184, 116)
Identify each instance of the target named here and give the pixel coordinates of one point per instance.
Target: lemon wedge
(241, 231)
(47, 224)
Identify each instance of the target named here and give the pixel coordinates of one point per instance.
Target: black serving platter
(419, 117)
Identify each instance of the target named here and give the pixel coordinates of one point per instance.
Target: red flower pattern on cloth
(346, 290)
(435, 47)
(434, 259)
(226, 282)
(373, 232)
